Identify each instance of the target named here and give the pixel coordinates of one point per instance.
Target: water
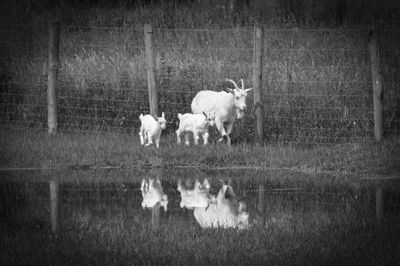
(29, 196)
(73, 202)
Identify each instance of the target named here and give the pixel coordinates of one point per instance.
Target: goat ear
(206, 184)
(230, 90)
(249, 89)
(156, 182)
(142, 186)
(242, 207)
(163, 115)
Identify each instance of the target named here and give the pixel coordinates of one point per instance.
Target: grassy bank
(21, 148)
(117, 241)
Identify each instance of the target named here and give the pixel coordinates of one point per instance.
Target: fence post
(376, 84)
(257, 83)
(151, 69)
(52, 90)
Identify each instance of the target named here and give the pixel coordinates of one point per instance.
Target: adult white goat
(227, 212)
(198, 197)
(150, 129)
(227, 107)
(153, 194)
(197, 124)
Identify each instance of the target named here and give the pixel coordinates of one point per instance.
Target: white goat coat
(150, 129)
(225, 213)
(223, 105)
(198, 124)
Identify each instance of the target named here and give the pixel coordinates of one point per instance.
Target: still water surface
(54, 200)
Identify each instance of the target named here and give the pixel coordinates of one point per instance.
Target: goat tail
(141, 117)
(179, 116)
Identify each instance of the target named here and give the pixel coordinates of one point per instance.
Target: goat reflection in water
(223, 211)
(153, 194)
(198, 197)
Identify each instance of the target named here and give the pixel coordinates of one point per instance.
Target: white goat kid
(198, 197)
(227, 107)
(227, 212)
(198, 124)
(153, 194)
(151, 128)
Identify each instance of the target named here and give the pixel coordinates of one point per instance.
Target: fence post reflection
(54, 205)
(380, 203)
(155, 215)
(261, 202)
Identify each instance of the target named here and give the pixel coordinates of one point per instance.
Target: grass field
(115, 240)
(36, 149)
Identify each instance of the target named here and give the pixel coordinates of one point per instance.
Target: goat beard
(239, 114)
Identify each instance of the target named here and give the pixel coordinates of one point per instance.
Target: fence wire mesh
(317, 84)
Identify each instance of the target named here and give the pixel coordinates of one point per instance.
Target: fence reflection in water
(77, 202)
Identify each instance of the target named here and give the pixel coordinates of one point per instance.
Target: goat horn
(233, 82)
(242, 84)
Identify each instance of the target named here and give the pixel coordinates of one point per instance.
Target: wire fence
(317, 84)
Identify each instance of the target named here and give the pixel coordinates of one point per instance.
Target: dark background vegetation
(213, 13)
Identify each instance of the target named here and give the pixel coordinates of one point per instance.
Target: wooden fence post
(376, 84)
(151, 69)
(257, 83)
(52, 90)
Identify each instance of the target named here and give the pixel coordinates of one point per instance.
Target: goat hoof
(223, 139)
